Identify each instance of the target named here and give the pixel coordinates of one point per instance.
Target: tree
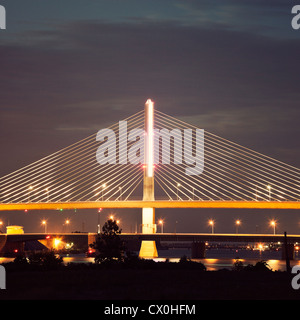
(108, 245)
(47, 260)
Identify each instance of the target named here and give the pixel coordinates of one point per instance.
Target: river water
(216, 259)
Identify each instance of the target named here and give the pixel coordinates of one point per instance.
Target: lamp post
(237, 224)
(98, 225)
(67, 222)
(212, 223)
(161, 222)
(273, 224)
(44, 223)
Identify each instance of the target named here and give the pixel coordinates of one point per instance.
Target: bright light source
(56, 242)
(150, 141)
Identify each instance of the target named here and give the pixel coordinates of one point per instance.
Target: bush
(260, 266)
(184, 262)
(238, 265)
(46, 260)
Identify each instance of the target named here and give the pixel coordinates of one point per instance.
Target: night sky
(72, 67)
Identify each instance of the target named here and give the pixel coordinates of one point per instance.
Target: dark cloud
(231, 69)
(60, 85)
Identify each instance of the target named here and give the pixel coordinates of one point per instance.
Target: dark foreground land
(147, 283)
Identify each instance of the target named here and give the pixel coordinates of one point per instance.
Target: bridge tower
(148, 248)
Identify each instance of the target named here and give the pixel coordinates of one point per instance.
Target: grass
(147, 284)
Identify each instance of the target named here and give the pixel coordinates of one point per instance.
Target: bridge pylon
(148, 248)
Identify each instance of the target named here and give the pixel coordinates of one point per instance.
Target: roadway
(129, 204)
(211, 237)
(184, 237)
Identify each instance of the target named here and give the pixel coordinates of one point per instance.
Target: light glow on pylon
(150, 138)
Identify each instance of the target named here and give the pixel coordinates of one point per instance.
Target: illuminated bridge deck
(215, 237)
(172, 237)
(151, 204)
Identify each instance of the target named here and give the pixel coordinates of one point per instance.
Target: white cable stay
(231, 172)
(241, 177)
(246, 168)
(64, 169)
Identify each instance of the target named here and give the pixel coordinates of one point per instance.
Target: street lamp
(98, 226)
(273, 224)
(161, 222)
(67, 222)
(237, 224)
(44, 223)
(212, 223)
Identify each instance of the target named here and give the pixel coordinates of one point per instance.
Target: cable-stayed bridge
(152, 160)
(233, 176)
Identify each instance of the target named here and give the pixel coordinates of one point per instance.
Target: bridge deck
(211, 237)
(151, 204)
(184, 237)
